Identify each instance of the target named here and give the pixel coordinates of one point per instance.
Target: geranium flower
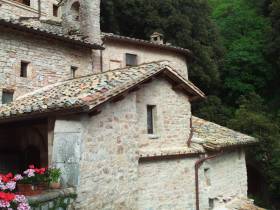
(29, 172)
(11, 185)
(17, 177)
(21, 199)
(4, 204)
(23, 206)
(7, 196)
(31, 167)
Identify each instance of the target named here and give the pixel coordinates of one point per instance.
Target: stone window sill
(153, 136)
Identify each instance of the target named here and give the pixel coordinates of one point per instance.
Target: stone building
(113, 112)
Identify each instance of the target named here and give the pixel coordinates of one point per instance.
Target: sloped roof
(86, 93)
(111, 36)
(214, 137)
(47, 30)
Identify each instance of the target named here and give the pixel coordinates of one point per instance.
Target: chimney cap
(157, 37)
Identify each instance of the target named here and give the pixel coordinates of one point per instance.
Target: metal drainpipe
(191, 133)
(39, 9)
(197, 166)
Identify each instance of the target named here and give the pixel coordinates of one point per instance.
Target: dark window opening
(73, 71)
(23, 69)
(55, 10)
(211, 203)
(26, 2)
(207, 176)
(151, 119)
(7, 96)
(131, 59)
(75, 11)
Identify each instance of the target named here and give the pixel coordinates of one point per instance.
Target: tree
(186, 23)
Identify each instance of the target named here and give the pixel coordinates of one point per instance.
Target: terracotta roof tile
(87, 92)
(213, 136)
(48, 30)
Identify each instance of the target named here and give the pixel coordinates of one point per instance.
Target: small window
(75, 11)
(73, 71)
(211, 203)
(7, 96)
(151, 119)
(207, 176)
(131, 59)
(23, 68)
(26, 2)
(55, 10)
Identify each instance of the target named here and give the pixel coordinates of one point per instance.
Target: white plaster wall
(172, 124)
(50, 61)
(166, 184)
(115, 51)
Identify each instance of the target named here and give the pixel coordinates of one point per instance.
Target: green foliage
(54, 174)
(186, 23)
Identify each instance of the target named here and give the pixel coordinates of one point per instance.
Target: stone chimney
(157, 38)
(82, 17)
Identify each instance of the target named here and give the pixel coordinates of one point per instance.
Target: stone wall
(114, 56)
(108, 171)
(15, 10)
(50, 61)
(227, 175)
(172, 117)
(12, 9)
(166, 184)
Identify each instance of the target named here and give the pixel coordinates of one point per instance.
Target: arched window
(75, 11)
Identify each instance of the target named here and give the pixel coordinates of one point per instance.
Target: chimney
(157, 38)
(82, 17)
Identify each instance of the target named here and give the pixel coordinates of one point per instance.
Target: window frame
(151, 119)
(24, 69)
(55, 10)
(9, 93)
(129, 64)
(73, 70)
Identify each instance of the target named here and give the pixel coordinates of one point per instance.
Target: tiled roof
(48, 30)
(213, 136)
(86, 93)
(116, 37)
(194, 149)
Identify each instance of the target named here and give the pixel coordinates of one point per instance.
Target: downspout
(191, 133)
(39, 9)
(197, 166)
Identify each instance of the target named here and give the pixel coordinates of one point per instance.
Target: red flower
(7, 196)
(6, 178)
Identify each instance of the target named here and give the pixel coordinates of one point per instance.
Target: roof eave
(183, 51)
(50, 35)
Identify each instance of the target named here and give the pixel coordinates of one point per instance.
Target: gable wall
(114, 56)
(173, 112)
(50, 61)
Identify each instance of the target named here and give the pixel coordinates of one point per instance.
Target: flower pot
(55, 185)
(42, 186)
(28, 189)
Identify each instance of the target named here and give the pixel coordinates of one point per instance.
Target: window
(207, 176)
(55, 10)
(73, 71)
(75, 11)
(211, 203)
(151, 119)
(131, 59)
(23, 68)
(7, 96)
(26, 2)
